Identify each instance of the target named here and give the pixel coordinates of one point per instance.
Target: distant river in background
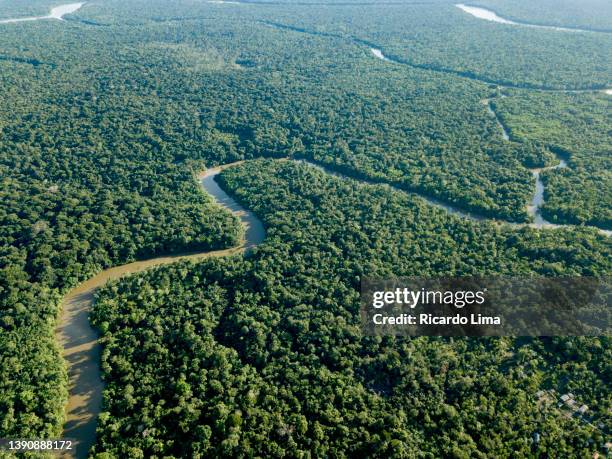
(56, 13)
(488, 15)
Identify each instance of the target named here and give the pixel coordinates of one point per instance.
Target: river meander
(534, 207)
(79, 340)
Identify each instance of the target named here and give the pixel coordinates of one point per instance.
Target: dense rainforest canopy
(105, 117)
(265, 357)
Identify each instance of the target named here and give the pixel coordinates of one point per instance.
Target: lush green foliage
(104, 118)
(264, 356)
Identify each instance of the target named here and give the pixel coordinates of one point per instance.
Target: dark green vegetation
(97, 148)
(264, 356)
(578, 127)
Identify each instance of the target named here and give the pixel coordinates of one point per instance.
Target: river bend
(534, 207)
(79, 340)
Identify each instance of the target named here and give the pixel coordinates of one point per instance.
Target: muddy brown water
(79, 340)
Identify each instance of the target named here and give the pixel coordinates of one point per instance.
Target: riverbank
(378, 53)
(452, 209)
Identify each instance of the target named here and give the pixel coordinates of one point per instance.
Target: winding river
(534, 207)
(429, 199)
(79, 340)
(536, 202)
(56, 13)
(538, 197)
(377, 52)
